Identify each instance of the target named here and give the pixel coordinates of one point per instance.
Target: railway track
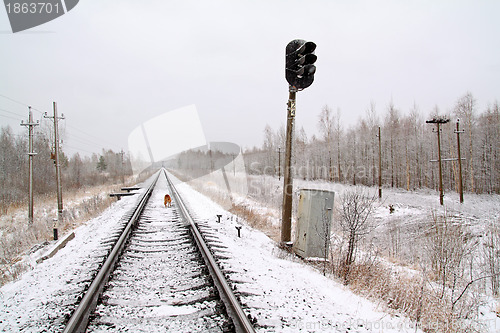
(159, 276)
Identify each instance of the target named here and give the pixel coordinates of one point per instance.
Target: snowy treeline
(77, 171)
(408, 144)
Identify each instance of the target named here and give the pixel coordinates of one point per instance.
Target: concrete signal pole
(286, 222)
(58, 171)
(299, 73)
(30, 124)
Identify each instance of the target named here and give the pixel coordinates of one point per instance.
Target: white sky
(111, 65)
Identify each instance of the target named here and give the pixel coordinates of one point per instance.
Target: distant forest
(408, 144)
(77, 171)
(335, 153)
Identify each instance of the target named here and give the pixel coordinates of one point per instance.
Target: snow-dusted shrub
(355, 209)
(491, 249)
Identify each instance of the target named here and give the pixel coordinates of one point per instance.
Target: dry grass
(18, 238)
(257, 221)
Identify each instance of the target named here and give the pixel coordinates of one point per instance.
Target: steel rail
(233, 306)
(79, 320)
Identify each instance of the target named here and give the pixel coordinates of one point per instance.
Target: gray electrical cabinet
(315, 213)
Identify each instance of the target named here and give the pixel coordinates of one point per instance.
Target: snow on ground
(289, 296)
(36, 302)
(284, 294)
(413, 210)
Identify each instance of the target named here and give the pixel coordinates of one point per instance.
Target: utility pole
(58, 171)
(30, 124)
(234, 165)
(121, 166)
(439, 121)
(460, 184)
(279, 163)
(379, 164)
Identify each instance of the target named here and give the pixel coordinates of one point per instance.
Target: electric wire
(4, 116)
(13, 100)
(93, 141)
(10, 112)
(21, 103)
(77, 149)
(92, 136)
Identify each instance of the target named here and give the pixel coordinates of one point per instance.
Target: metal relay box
(315, 214)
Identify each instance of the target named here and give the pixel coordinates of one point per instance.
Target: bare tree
(372, 122)
(492, 256)
(489, 150)
(392, 124)
(323, 231)
(335, 151)
(466, 109)
(269, 147)
(326, 124)
(446, 247)
(301, 152)
(356, 206)
(338, 135)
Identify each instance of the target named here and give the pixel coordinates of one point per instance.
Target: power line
(16, 114)
(1, 115)
(78, 149)
(82, 140)
(13, 100)
(71, 136)
(99, 142)
(92, 136)
(20, 103)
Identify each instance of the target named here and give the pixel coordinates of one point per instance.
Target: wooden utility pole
(286, 217)
(460, 183)
(30, 124)
(439, 121)
(121, 166)
(279, 163)
(58, 171)
(234, 165)
(441, 191)
(379, 164)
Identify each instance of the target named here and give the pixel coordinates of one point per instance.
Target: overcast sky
(111, 65)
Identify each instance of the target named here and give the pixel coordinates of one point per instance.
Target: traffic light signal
(300, 59)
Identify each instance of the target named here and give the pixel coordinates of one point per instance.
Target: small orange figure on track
(168, 201)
